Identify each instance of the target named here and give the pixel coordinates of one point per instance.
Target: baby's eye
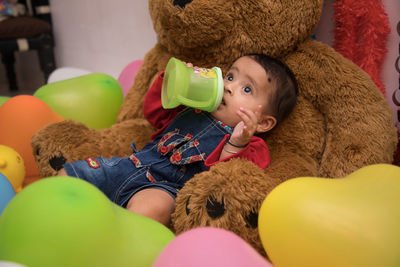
(247, 90)
(229, 77)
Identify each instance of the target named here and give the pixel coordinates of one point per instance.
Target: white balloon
(66, 73)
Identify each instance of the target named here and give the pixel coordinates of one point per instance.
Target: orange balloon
(20, 117)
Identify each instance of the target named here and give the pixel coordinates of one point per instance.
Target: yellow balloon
(12, 166)
(352, 221)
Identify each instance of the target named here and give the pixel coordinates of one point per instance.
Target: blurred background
(94, 35)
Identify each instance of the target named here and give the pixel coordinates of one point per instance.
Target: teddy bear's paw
(228, 196)
(62, 142)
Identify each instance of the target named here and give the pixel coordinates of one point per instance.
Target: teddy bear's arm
(358, 127)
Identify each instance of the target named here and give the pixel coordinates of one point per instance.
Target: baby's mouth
(223, 102)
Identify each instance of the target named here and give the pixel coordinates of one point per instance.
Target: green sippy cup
(198, 88)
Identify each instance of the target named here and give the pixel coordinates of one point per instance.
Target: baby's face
(246, 85)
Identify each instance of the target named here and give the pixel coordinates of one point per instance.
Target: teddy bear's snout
(181, 3)
(57, 162)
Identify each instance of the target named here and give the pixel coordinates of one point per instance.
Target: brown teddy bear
(341, 121)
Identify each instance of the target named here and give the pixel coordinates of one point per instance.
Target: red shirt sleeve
(152, 107)
(256, 151)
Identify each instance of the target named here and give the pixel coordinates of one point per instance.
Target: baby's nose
(228, 89)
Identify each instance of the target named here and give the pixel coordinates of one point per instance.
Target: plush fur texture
(341, 122)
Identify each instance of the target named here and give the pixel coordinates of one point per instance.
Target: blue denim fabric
(175, 156)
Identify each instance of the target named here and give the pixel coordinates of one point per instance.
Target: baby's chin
(222, 115)
(218, 114)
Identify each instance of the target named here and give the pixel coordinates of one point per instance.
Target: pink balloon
(127, 75)
(211, 247)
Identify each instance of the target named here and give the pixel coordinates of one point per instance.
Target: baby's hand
(246, 128)
(188, 64)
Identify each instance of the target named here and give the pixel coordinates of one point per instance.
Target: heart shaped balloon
(65, 221)
(20, 117)
(352, 221)
(211, 247)
(93, 99)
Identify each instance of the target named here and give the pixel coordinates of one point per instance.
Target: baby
(259, 92)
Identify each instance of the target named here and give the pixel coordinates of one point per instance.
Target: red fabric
(153, 110)
(256, 151)
(362, 28)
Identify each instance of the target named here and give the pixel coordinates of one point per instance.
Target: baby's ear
(266, 124)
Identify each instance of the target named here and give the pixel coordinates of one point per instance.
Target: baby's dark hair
(283, 99)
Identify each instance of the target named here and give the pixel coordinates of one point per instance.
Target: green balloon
(64, 221)
(3, 99)
(93, 99)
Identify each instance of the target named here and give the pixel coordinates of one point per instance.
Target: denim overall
(175, 156)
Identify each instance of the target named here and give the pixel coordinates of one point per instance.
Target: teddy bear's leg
(222, 198)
